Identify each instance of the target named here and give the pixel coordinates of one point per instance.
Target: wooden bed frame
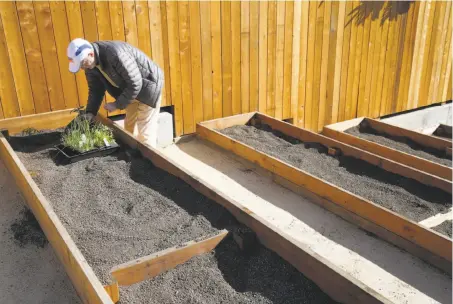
(423, 242)
(336, 131)
(331, 279)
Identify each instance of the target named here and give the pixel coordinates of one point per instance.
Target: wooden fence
(315, 62)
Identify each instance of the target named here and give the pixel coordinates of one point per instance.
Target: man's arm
(126, 66)
(96, 91)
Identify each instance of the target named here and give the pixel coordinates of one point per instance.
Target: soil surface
(402, 195)
(26, 230)
(403, 144)
(117, 209)
(444, 228)
(226, 275)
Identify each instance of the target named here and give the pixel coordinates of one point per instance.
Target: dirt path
(118, 210)
(402, 195)
(29, 270)
(402, 144)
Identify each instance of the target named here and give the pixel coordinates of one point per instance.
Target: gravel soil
(117, 209)
(444, 228)
(403, 144)
(226, 275)
(402, 195)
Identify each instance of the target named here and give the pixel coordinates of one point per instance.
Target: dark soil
(118, 208)
(26, 230)
(444, 228)
(226, 275)
(403, 144)
(402, 195)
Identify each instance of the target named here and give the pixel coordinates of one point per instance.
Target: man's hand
(110, 106)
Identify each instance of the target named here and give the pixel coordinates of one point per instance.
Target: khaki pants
(145, 118)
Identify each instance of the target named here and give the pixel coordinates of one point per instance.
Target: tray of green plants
(85, 140)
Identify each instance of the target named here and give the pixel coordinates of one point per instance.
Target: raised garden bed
(378, 190)
(420, 151)
(443, 131)
(117, 210)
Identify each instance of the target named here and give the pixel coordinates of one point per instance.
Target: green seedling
(85, 136)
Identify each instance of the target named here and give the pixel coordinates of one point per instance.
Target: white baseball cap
(78, 49)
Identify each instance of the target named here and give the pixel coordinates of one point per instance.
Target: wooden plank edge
(87, 285)
(234, 120)
(351, 151)
(437, 244)
(113, 291)
(331, 279)
(47, 120)
(154, 264)
(393, 154)
(420, 138)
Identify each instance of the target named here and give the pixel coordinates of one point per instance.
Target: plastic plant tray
(65, 155)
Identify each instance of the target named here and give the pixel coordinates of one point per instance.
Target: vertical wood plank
(442, 31)
(254, 54)
(351, 66)
(116, 20)
(75, 26)
(90, 27)
(365, 68)
(162, 43)
(236, 56)
(245, 56)
(130, 23)
(8, 96)
(206, 49)
(49, 53)
(271, 57)
(409, 39)
(344, 81)
(262, 97)
(330, 86)
(338, 64)
(381, 70)
(310, 59)
(446, 62)
(402, 25)
(216, 32)
(319, 36)
(16, 53)
(186, 68)
(195, 50)
(279, 61)
(143, 27)
(175, 65)
(352, 110)
(303, 64)
(447, 77)
(295, 61)
(30, 38)
(226, 59)
(427, 63)
(159, 46)
(324, 66)
(417, 63)
(287, 65)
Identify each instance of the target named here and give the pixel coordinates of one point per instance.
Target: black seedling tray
(65, 155)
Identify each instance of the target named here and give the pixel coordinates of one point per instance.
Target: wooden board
(152, 265)
(236, 57)
(87, 285)
(43, 121)
(336, 131)
(436, 248)
(216, 35)
(195, 51)
(331, 279)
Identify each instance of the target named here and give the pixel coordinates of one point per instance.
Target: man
(128, 75)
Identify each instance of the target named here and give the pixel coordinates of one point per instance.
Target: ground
(29, 273)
